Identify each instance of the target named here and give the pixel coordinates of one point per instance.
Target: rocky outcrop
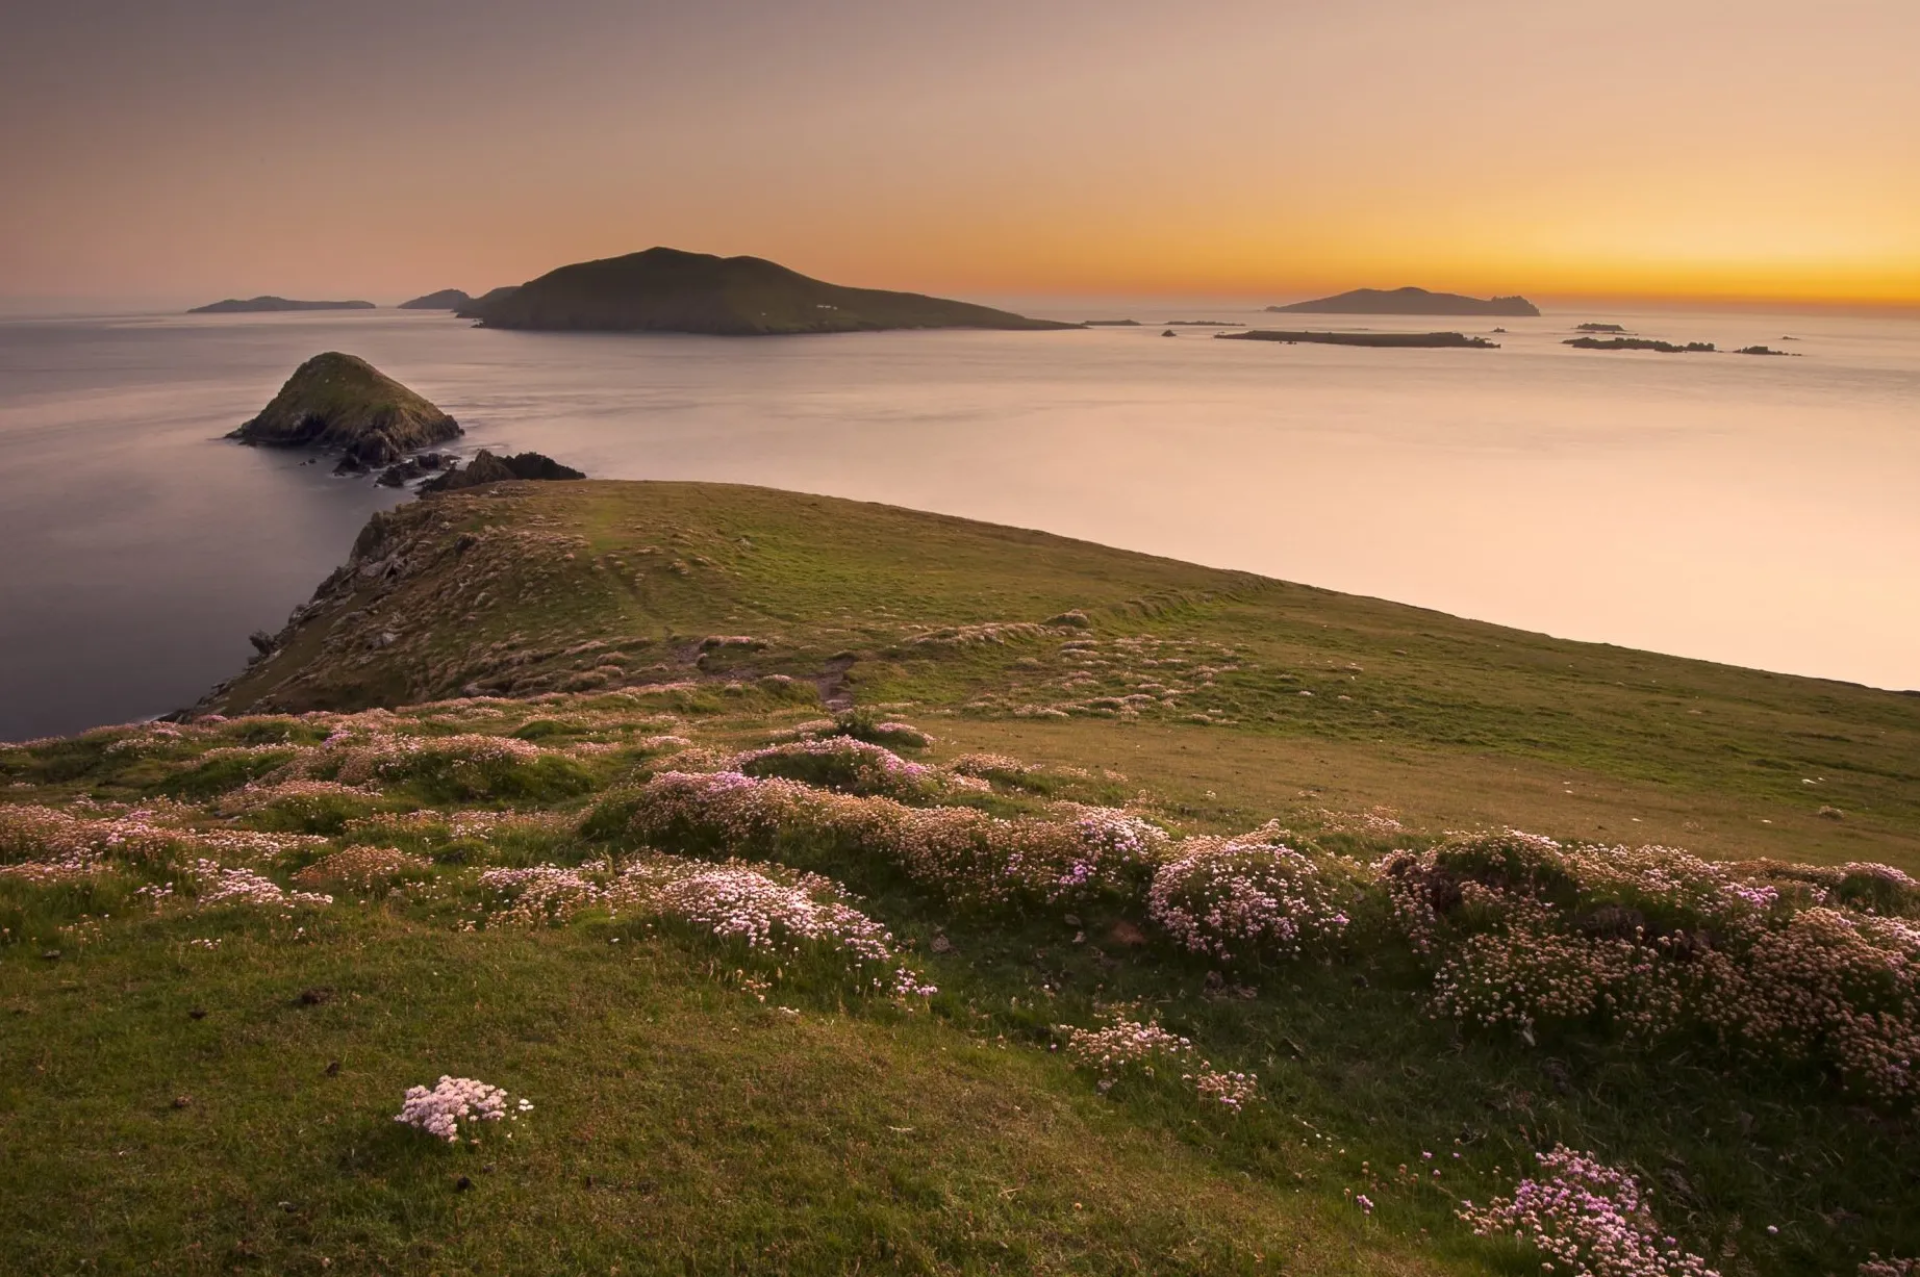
(488, 468)
(342, 403)
(1398, 340)
(473, 308)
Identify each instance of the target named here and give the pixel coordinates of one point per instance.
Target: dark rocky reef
(445, 299)
(666, 290)
(1364, 339)
(1408, 301)
(1638, 343)
(1598, 328)
(488, 468)
(401, 473)
(1767, 350)
(342, 403)
(260, 305)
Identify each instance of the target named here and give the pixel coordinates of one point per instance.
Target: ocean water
(1756, 511)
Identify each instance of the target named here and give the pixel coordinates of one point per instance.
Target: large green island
(847, 888)
(667, 290)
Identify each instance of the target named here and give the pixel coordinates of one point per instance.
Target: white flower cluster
(454, 1100)
(1126, 1044)
(219, 885)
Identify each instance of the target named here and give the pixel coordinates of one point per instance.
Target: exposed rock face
(1409, 301)
(336, 401)
(488, 468)
(400, 474)
(445, 299)
(1638, 343)
(252, 305)
(666, 290)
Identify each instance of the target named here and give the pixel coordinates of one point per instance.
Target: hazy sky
(378, 148)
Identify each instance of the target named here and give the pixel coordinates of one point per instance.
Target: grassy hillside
(602, 585)
(666, 290)
(567, 861)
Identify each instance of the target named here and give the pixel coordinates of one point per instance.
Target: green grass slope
(666, 290)
(528, 793)
(530, 588)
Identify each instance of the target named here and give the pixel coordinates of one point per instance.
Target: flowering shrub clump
(362, 868)
(146, 837)
(990, 767)
(1589, 1217)
(755, 907)
(1235, 899)
(469, 765)
(960, 852)
(218, 885)
(1652, 942)
(296, 796)
(1128, 1045)
(837, 762)
(454, 1100)
(544, 894)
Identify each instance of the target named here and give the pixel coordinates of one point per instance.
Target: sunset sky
(192, 149)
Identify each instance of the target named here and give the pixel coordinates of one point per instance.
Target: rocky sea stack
(666, 290)
(340, 402)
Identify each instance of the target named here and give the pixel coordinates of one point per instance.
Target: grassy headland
(474, 816)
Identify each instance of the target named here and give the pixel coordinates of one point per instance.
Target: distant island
(259, 305)
(1638, 343)
(1598, 328)
(1408, 301)
(471, 308)
(1205, 323)
(445, 299)
(1364, 339)
(1109, 323)
(1768, 350)
(667, 290)
(340, 402)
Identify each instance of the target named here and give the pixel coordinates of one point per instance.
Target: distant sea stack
(445, 299)
(1408, 301)
(666, 290)
(261, 305)
(340, 402)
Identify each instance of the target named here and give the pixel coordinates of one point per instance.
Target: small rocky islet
(339, 402)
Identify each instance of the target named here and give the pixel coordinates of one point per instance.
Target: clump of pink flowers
(1587, 1216)
(454, 1100)
(1236, 899)
(1651, 942)
(962, 853)
(219, 885)
(837, 762)
(1127, 1045)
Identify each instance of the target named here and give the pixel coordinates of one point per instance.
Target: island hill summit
(335, 401)
(1408, 301)
(667, 290)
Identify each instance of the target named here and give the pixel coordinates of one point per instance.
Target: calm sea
(1750, 510)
